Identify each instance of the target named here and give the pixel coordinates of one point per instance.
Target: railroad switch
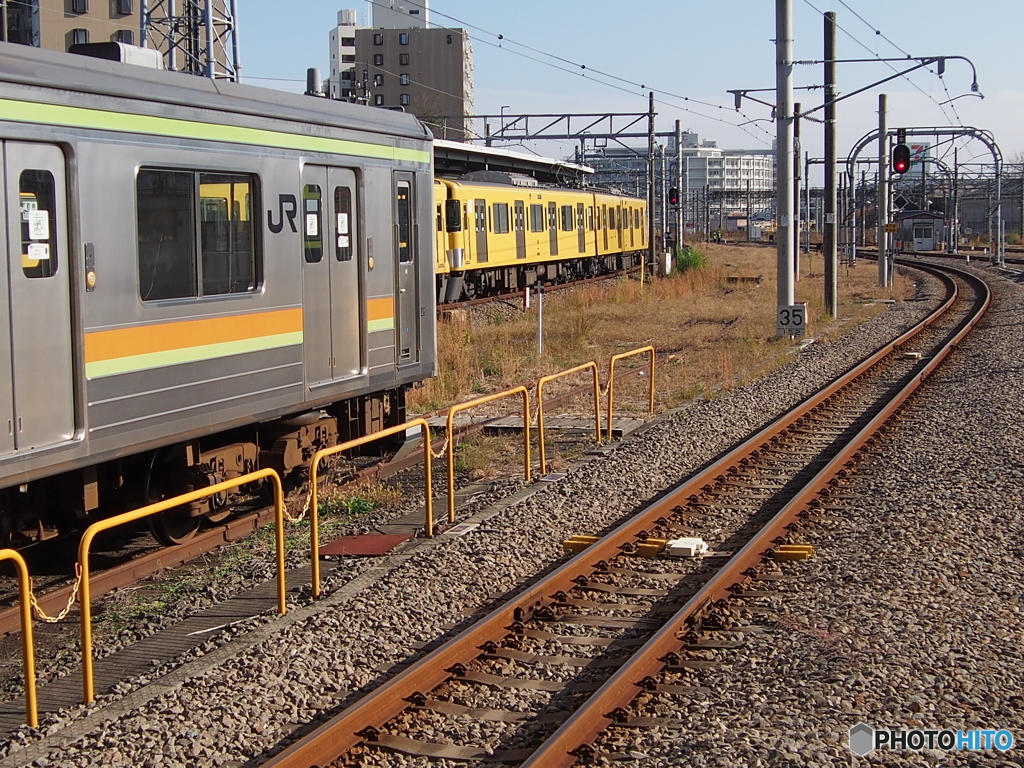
(577, 543)
(792, 552)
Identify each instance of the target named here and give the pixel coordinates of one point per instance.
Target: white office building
(340, 81)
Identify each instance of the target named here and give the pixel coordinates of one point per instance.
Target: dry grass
(717, 333)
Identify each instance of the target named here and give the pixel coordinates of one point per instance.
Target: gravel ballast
(315, 660)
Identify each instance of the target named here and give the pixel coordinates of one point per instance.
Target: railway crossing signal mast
(199, 37)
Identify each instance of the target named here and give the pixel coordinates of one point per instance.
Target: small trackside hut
(202, 279)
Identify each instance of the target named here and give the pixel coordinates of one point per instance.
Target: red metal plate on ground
(366, 545)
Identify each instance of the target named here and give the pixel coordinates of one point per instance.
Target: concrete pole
(955, 234)
(786, 295)
(236, 45)
(211, 56)
(883, 194)
(651, 201)
(679, 185)
(830, 247)
(807, 203)
(1000, 249)
(748, 210)
(796, 192)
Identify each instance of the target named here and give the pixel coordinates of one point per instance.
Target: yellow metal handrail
(451, 440)
(152, 509)
(314, 523)
(28, 653)
(611, 381)
(540, 406)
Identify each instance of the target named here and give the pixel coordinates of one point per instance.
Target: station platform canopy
(453, 159)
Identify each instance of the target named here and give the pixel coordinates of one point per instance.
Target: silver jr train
(203, 278)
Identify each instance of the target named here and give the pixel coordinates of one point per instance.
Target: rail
(28, 654)
(152, 509)
(314, 524)
(540, 407)
(611, 381)
(451, 438)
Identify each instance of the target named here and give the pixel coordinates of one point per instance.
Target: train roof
(25, 65)
(470, 183)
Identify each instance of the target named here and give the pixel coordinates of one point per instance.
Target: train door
(580, 229)
(480, 210)
(332, 302)
(37, 390)
(553, 228)
(520, 225)
(406, 250)
(604, 225)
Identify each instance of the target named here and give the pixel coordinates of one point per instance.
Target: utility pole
(748, 210)
(807, 203)
(786, 295)
(796, 191)
(650, 188)
(883, 195)
(3, 20)
(830, 250)
(956, 203)
(680, 212)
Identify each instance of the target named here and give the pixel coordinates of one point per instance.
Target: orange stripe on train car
(380, 309)
(179, 334)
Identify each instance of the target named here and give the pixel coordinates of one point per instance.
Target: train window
(226, 234)
(536, 218)
(167, 241)
(452, 216)
(440, 224)
(342, 223)
(604, 217)
(579, 215)
(489, 227)
(500, 218)
(552, 217)
(312, 223)
(404, 213)
(566, 218)
(38, 224)
(590, 217)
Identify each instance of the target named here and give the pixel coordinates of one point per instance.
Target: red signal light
(900, 158)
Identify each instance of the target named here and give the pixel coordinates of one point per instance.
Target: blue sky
(690, 52)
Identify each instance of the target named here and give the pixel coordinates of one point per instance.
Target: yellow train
(496, 237)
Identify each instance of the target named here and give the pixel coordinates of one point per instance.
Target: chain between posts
(41, 614)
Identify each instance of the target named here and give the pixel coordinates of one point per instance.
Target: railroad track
(539, 678)
(136, 567)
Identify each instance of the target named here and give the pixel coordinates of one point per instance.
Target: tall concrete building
(403, 63)
(401, 14)
(59, 24)
(341, 83)
(177, 30)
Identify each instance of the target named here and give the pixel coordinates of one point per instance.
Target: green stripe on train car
(82, 117)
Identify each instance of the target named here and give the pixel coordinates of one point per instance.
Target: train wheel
(164, 480)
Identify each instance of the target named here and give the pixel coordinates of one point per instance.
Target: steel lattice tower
(199, 37)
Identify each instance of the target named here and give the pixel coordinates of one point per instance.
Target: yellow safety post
(314, 520)
(28, 654)
(152, 509)
(611, 381)
(540, 407)
(451, 439)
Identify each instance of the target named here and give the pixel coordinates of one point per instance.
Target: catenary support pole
(796, 192)
(830, 249)
(883, 194)
(650, 189)
(786, 294)
(681, 191)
